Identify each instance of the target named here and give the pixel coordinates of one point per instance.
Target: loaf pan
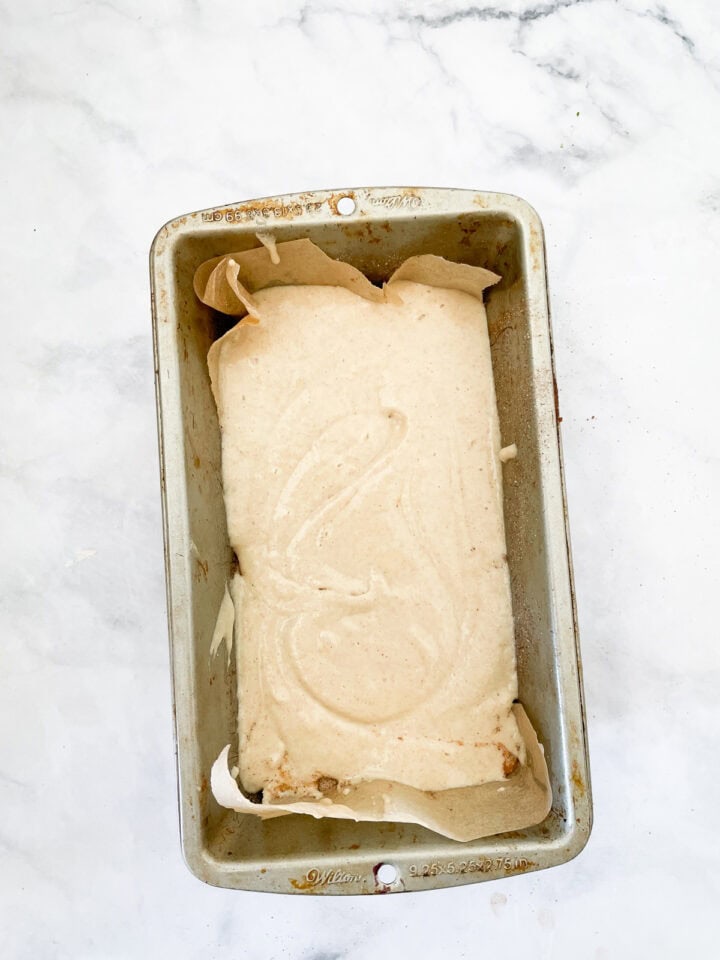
(374, 229)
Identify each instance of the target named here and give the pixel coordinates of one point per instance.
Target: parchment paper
(227, 284)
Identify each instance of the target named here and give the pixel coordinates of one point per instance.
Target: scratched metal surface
(300, 854)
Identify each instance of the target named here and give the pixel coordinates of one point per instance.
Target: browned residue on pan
(577, 780)
(277, 208)
(556, 398)
(332, 200)
(301, 884)
(535, 249)
(468, 231)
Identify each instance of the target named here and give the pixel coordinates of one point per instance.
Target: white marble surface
(117, 116)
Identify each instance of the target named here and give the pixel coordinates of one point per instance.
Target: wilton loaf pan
(375, 229)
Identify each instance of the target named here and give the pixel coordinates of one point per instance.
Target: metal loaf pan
(387, 225)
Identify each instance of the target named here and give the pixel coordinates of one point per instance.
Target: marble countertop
(118, 116)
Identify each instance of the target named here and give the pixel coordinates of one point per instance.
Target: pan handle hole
(387, 874)
(345, 206)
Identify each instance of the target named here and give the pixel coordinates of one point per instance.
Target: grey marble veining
(119, 116)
